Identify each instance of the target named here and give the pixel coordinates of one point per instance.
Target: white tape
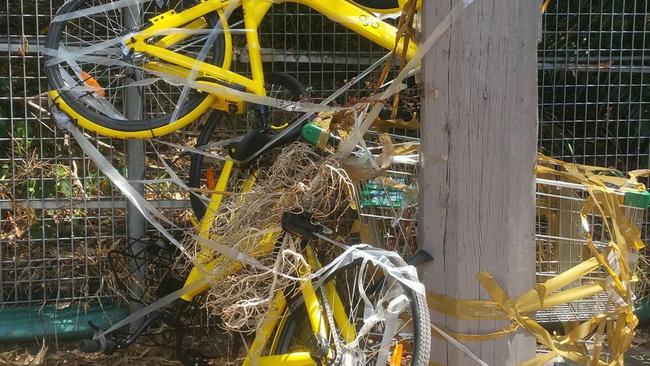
(111, 6)
(356, 135)
(62, 55)
(214, 88)
(174, 178)
(212, 37)
(391, 327)
(93, 99)
(200, 149)
(156, 305)
(391, 262)
(224, 91)
(413, 159)
(458, 345)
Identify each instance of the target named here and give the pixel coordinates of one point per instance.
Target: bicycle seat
(301, 224)
(253, 141)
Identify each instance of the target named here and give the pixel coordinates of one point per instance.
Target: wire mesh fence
(56, 212)
(59, 215)
(594, 84)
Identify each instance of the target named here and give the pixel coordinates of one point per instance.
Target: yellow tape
(478, 337)
(613, 330)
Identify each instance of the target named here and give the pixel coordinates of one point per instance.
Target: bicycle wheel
(409, 327)
(203, 169)
(94, 75)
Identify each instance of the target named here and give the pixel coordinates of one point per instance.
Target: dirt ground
(637, 355)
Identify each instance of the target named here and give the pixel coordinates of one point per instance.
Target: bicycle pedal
(301, 225)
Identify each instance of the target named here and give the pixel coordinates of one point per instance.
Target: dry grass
(50, 355)
(300, 180)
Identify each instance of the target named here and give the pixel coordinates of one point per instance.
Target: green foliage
(4, 171)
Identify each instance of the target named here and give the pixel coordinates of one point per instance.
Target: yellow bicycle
(100, 53)
(365, 309)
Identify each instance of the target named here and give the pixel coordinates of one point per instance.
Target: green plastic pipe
(642, 311)
(29, 323)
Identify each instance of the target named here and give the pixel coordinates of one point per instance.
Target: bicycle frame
(277, 311)
(339, 11)
(180, 66)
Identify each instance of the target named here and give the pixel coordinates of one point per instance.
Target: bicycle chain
(330, 320)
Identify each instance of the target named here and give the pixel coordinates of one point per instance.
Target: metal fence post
(136, 223)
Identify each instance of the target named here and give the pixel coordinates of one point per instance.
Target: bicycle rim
(95, 75)
(410, 327)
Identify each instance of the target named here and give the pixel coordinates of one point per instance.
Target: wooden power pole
(477, 186)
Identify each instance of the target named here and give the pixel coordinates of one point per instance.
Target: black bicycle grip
(90, 346)
(95, 345)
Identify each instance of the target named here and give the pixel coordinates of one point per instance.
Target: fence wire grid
(59, 215)
(594, 84)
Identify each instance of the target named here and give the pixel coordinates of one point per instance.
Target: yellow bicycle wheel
(357, 301)
(92, 75)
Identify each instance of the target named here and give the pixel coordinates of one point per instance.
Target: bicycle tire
(378, 4)
(109, 125)
(292, 85)
(296, 316)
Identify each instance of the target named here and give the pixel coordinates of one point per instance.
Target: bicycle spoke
(95, 43)
(365, 293)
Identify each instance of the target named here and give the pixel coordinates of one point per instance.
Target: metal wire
(594, 84)
(59, 216)
(561, 244)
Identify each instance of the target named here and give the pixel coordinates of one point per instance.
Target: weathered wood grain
(479, 130)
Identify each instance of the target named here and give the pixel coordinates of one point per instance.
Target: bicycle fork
(318, 320)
